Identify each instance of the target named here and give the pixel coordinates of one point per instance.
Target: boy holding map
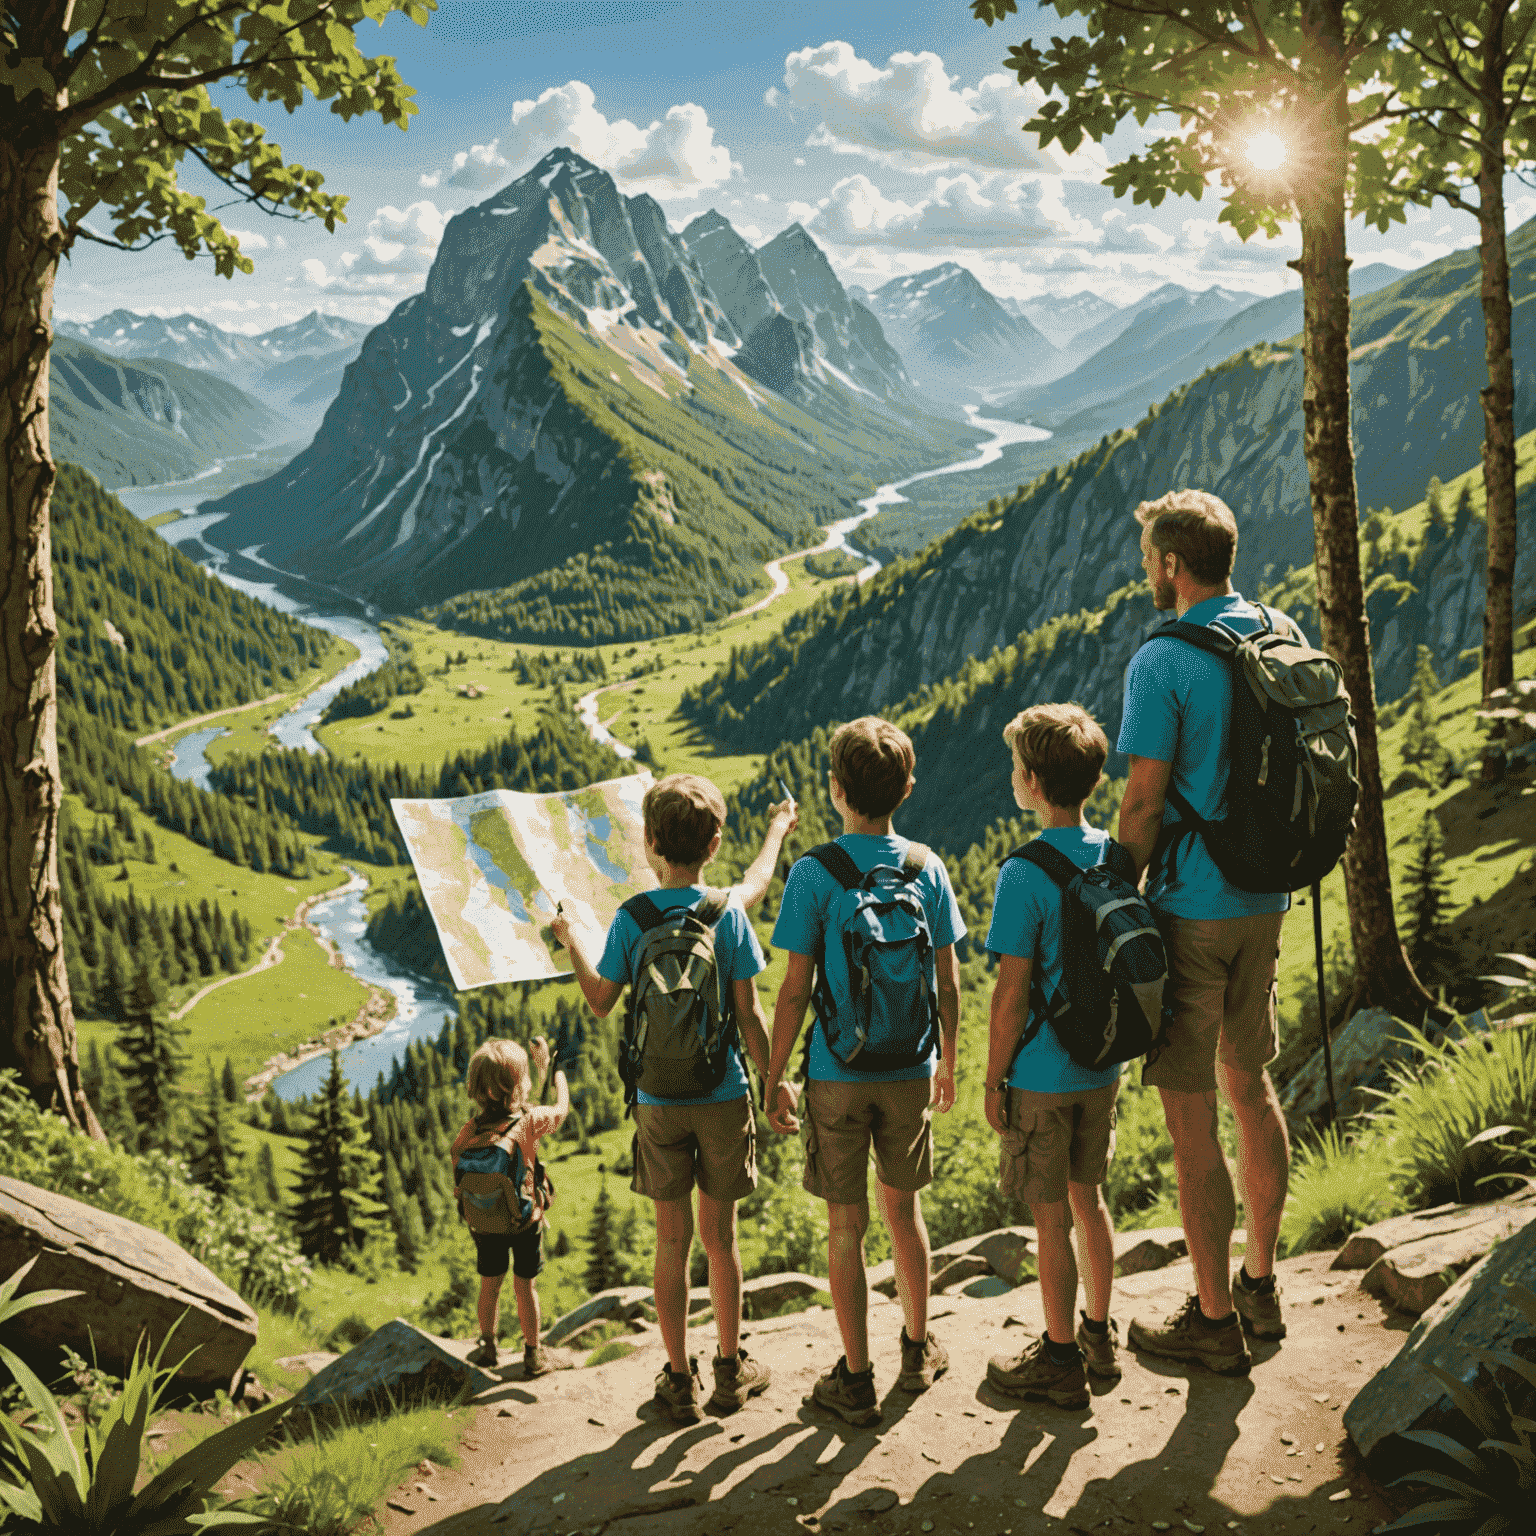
(688, 955)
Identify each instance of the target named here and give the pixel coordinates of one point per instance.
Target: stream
(420, 1002)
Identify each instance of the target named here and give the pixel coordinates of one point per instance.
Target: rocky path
(1167, 1448)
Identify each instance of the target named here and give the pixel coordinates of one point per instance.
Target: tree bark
(1383, 974)
(1499, 397)
(37, 1024)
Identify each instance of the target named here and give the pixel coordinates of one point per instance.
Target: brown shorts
(839, 1122)
(679, 1145)
(1054, 1137)
(1221, 984)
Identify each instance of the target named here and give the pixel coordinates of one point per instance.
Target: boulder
(987, 1286)
(1154, 1248)
(135, 1283)
(623, 1303)
(1006, 1250)
(1413, 1276)
(1368, 1244)
(956, 1270)
(1473, 1316)
(311, 1364)
(881, 1277)
(766, 1295)
(395, 1365)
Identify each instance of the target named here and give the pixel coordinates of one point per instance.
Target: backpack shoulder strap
(1117, 857)
(710, 907)
(1053, 861)
(1201, 636)
(916, 860)
(645, 913)
(838, 863)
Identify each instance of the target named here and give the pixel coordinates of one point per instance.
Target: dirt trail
(583, 1450)
(182, 725)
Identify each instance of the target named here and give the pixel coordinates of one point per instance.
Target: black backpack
(1109, 1007)
(1292, 782)
(678, 1029)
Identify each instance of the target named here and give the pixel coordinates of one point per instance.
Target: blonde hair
(1063, 746)
(499, 1076)
(1196, 526)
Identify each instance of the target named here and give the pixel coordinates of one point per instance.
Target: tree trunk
(37, 1023)
(1499, 397)
(1383, 973)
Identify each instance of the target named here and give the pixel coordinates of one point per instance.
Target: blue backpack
(498, 1191)
(876, 997)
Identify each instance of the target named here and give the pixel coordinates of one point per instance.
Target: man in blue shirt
(848, 1112)
(1223, 943)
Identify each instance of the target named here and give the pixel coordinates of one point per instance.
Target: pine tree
(1427, 890)
(336, 1201)
(217, 1156)
(153, 1060)
(266, 1177)
(601, 1259)
(228, 1084)
(1421, 738)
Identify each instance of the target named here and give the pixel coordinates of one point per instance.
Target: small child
(502, 1086)
(1056, 1118)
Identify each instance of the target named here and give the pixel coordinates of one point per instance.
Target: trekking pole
(1322, 996)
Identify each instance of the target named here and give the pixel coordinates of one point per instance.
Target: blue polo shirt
(1026, 923)
(1178, 709)
(738, 956)
(809, 896)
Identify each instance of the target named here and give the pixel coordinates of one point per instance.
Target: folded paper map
(493, 867)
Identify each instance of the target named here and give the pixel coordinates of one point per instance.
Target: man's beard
(1164, 596)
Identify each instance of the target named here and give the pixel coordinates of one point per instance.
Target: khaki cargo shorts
(1056, 1137)
(679, 1145)
(840, 1122)
(1221, 985)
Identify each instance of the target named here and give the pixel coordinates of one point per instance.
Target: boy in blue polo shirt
(1056, 1118)
(848, 1112)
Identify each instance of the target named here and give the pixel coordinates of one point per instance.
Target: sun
(1266, 151)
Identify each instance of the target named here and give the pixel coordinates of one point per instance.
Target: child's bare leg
(527, 1310)
(674, 1237)
(717, 1228)
(846, 1226)
(903, 1215)
(1058, 1268)
(489, 1310)
(1096, 1244)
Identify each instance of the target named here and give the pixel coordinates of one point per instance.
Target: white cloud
(248, 238)
(676, 156)
(910, 115)
(396, 253)
(960, 212)
(1117, 233)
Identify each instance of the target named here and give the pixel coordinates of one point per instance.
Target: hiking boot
(1186, 1336)
(1034, 1374)
(677, 1394)
(921, 1364)
(484, 1353)
(737, 1379)
(1259, 1310)
(1101, 1351)
(537, 1361)
(849, 1394)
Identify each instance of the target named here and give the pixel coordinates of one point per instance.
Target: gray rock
(135, 1282)
(1412, 1277)
(956, 1270)
(1153, 1248)
(394, 1365)
(1368, 1244)
(986, 1286)
(1362, 1051)
(623, 1303)
(1006, 1250)
(766, 1295)
(311, 1364)
(881, 1277)
(1473, 1316)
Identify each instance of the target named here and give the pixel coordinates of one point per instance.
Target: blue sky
(890, 129)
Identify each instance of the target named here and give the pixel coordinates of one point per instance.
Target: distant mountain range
(1061, 320)
(959, 340)
(590, 428)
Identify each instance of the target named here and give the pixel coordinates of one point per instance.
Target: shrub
(1338, 1185)
(1141, 1180)
(794, 1232)
(1461, 1123)
(614, 1350)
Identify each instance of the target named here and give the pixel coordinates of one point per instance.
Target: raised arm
(1141, 811)
(753, 885)
(600, 993)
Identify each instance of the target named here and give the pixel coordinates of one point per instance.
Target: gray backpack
(679, 1030)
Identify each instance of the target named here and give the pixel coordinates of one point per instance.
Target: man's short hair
(1197, 527)
(682, 814)
(1063, 746)
(873, 761)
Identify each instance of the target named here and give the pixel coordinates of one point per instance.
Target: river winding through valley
(421, 1003)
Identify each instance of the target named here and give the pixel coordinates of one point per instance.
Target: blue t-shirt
(738, 956)
(1178, 709)
(809, 896)
(1026, 923)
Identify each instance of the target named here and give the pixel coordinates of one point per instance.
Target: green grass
(160, 519)
(615, 1350)
(1339, 1184)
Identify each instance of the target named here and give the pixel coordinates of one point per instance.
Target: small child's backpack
(678, 1029)
(499, 1192)
(1109, 1007)
(1293, 780)
(876, 995)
